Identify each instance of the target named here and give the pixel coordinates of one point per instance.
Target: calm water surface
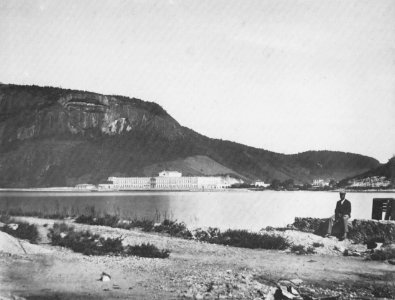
(247, 210)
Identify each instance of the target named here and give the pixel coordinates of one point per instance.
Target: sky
(286, 76)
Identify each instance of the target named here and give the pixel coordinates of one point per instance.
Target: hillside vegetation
(57, 137)
(386, 171)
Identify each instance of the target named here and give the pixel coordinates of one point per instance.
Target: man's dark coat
(344, 209)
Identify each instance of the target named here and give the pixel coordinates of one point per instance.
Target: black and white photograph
(197, 149)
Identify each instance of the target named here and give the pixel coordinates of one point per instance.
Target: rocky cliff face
(57, 137)
(28, 115)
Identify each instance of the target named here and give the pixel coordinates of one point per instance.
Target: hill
(382, 176)
(387, 170)
(59, 137)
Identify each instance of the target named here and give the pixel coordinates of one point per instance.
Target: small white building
(261, 184)
(320, 183)
(106, 186)
(85, 186)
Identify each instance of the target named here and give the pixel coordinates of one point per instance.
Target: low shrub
(24, 231)
(5, 218)
(114, 221)
(206, 235)
(147, 250)
(93, 244)
(107, 220)
(301, 250)
(317, 245)
(246, 239)
(174, 228)
(383, 254)
(145, 224)
(82, 242)
(384, 291)
(85, 220)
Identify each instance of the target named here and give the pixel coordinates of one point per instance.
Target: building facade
(130, 183)
(169, 180)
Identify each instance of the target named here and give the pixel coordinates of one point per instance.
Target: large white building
(261, 184)
(169, 180)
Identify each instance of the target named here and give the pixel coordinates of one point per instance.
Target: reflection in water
(248, 210)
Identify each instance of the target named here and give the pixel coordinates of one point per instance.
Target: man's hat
(342, 191)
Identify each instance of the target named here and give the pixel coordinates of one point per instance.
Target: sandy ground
(47, 272)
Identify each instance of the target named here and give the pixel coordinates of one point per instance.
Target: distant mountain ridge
(59, 137)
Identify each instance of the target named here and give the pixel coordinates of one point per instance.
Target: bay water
(230, 209)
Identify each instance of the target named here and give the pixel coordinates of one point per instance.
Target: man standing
(342, 214)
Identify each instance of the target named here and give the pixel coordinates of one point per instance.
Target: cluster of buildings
(320, 183)
(371, 182)
(169, 180)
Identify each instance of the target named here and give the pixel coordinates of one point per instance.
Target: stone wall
(360, 231)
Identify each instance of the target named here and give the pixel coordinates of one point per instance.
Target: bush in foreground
(173, 228)
(210, 234)
(93, 244)
(5, 218)
(145, 224)
(302, 250)
(242, 239)
(384, 291)
(24, 231)
(116, 222)
(107, 220)
(383, 254)
(147, 250)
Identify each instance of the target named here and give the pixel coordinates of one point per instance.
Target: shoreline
(76, 190)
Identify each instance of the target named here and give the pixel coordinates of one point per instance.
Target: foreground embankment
(194, 269)
(359, 231)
